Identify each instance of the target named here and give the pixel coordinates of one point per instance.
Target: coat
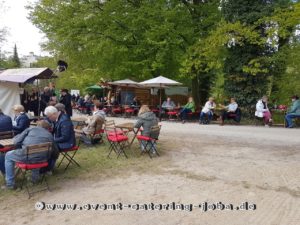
(295, 108)
(31, 136)
(64, 135)
(67, 101)
(22, 122)
(147, 120)
(260, 109)
(5, 123)
(95, 123)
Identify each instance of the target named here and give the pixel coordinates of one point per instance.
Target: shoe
(183, 121)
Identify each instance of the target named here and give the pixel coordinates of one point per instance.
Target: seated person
(229, 110)
(64, 135)
(21, 120)
(168, 104)
(207, 110)
(94, 123)
(146, 119)
(135, 102)
(5, 122)
(294, 112)
(30, 136)
(262, 110)
(188, 108)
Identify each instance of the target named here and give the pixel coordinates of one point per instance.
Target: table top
(129, 126)
(79, 119)
(7, 142)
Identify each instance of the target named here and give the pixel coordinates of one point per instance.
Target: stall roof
(24, 74)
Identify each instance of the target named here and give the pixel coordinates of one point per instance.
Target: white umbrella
(125, 83)
(160, 82)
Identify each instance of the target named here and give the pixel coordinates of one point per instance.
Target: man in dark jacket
(66, 99)
(5, 122)
(21, 120)
(30, 136)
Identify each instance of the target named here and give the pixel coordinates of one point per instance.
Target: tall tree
(15, 58)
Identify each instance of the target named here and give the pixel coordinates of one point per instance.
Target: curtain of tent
(9, 96)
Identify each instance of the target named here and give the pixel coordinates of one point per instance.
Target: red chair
(69, 154)
(116, 138)
(172, 114)
(129, 112)
(148, 143)
(23, 167)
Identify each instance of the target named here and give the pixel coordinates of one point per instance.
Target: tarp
(25, 74)
(9, 96)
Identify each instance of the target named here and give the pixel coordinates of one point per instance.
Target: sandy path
(231, 164)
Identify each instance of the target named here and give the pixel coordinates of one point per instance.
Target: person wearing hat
(294, 112)
(66, 99)
(21, 120)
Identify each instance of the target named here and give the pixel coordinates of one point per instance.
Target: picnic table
(129, 127)
(7, 142)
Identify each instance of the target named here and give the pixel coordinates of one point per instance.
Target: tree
(15, 58)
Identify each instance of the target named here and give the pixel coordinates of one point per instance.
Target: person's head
(46, 89)
(135, 98)
(264, 98)
(63, 92)
(143, 109)
(17, 109)
(44, 124)
(190, 99)
(52, 113)
(60, 107)
(168, 99)
(211, 99)
(294, 98)
(232, 100)
(98, 106)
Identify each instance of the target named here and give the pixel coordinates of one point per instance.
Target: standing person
(229, 110)
(66, 99)
(262, 110)
(30, 136)
(146, 120)
(207, 110)
(5, 122)
(33, 101)
(294, 112)
(45, 98)
(21, 120)
(188, 108)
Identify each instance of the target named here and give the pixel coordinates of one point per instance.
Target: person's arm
(22, 124)
(138, 123)
(66, 131)
(164, 105)
(18, 139)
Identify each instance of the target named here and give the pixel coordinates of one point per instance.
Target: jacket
(147, 120)
(5, 123)
(191, 106)
(22, 122)
(31, 136)
(260, 109)
(95, 123)
(64, 135)
(295, 108)
(67, 101)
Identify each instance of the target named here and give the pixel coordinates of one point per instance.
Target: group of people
(232, 110)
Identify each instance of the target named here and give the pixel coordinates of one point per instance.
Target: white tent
(9, 96)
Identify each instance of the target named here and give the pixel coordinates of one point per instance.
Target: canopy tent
(24, 75)
(9, 84)
(160, 82)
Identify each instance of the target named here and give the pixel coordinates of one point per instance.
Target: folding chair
(116, 139)
(69, 154)
(23, 167)
(6, 135)
(149, 143)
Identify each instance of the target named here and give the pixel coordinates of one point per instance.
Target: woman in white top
(207, 111)
(262, 110)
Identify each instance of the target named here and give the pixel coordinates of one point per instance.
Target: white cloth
(260, 109)
(208, 107)
(232, 107)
